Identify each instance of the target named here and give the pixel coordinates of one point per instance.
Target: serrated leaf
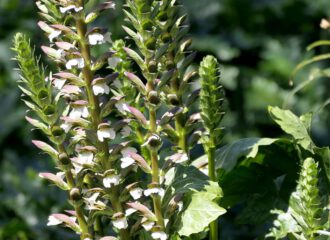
(201, 211)
(292, 125)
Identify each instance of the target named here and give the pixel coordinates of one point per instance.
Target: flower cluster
(121, 140)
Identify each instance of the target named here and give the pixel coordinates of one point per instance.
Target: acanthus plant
(122, 140)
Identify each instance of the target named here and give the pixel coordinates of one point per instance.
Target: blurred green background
(258, 42)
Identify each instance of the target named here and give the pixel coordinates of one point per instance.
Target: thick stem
(155, 169)
(77, 207)
(94, 105)
(212, 174)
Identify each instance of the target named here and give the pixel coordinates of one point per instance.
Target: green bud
(166, 38)
(173, 99)
(64, 159)
(152, 67)
(147, 25)
(75, 194)
(58, 134)
(162, 16)
(169, 64)
(153, 98)
(151, 44)
(144, 8)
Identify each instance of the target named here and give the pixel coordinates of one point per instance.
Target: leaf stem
(212, 174)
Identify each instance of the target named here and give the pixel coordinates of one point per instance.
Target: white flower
(159, 235)
(325, 24)
(101, 88)
(136, 193)
(75, 62)
(120, 223)
(85, 157)
(122, 107)
(148, 225)
(106, 133)
(78, 112)
(126, 162)
(69, 8)
(111, 180)
(59, 83)
(52, 221)
(66, 126)
(113, 61)
(93, 204)
(126, 131)
(54, 34)
(129, 211)
(155, 190)
(96, 38)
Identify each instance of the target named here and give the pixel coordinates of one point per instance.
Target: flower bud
(154, 142)
(144, 8)
(162, 16)
(64, 159)
(151, 44)
(43, 96)
(169, 64)
(152, 67)
(173, 99)
(153, 98)
(75, 194)
(166, 37)
(50, 113)
(58, 134)
(147, 25)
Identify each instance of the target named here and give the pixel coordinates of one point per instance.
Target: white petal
(99, 89)
(106, 133)
(59, 83)
(126, 162)
(120, 223)
(136, 193)
(96, 38)
(85, 158)
(111, 180)
(70, 7)
(159, 235)
(130, 211)
(66, 127)
(52, 221)
(75, 62)
(126, 131)
(148, 225)
(54, 34)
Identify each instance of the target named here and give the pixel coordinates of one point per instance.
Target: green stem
(96, 112)
(77, 207)
(212, 175)
(155, 169)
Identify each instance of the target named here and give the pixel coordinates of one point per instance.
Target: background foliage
(258, 42)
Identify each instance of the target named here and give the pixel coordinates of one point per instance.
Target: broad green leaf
(228, 155)
(292, 125)
(201, 211)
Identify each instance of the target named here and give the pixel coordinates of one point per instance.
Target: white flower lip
(154, 190)
(101, 88)
(93, 204)
(59, 83)
(110, 180)
(159, 235)
(79, 109)
(148, 225)
(52, 221)
(69, 8)
(126, 162)
(120, 223)
(96, 38)
(130, 211)
(136, 193)
(104, 133)
(75, 62)
(54, 34)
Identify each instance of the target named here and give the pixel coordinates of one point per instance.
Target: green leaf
(228, 155)
(293, 125)
(201, 211)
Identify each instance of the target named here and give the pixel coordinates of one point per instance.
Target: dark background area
(258, 42)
